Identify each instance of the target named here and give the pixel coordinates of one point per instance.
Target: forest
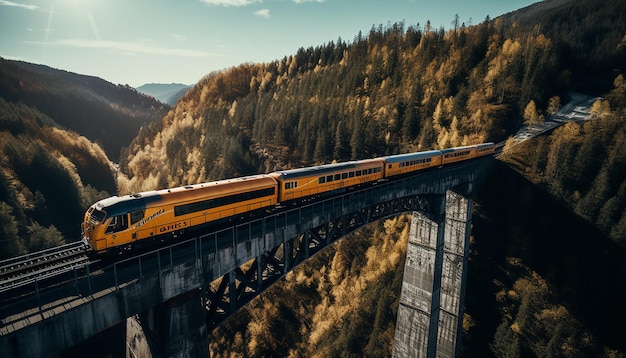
(398, 88)
(37, 159)
(584, 164)
(60, 134)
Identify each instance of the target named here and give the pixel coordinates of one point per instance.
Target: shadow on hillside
(585, 269)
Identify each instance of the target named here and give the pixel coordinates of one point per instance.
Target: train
(120, 224)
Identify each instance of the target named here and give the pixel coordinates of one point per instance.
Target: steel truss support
(238, 287)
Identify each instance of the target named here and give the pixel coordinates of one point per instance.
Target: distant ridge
(108, 114)
(166, 93)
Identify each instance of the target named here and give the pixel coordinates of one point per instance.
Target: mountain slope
(48, 178)
(101, 111)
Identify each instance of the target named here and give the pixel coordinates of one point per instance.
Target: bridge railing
(47, 296)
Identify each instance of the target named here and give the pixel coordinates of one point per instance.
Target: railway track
(22, 270)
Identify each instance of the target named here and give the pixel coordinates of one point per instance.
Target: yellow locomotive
(118, 223)
(121, 223)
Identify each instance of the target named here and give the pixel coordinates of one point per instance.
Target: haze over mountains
(164, 92)
(399, 88)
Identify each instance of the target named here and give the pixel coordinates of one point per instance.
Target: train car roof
(116, 205)
(409, 156)
(321, 170)
(449, 150)
(239, 183)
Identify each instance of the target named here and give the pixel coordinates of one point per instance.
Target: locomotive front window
(97, 216)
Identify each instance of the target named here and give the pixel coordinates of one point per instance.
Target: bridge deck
(65, 309)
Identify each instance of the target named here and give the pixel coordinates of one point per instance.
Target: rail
(22, 270)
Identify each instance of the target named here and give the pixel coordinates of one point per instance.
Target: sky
(136, 42)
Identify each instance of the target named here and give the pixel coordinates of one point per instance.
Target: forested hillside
(396, 89)
(584, 164)
(48, 178)
(108, 114)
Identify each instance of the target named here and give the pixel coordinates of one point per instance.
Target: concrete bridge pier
(175, 328)
(430, 315)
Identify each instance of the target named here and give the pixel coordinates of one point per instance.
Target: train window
(118, 223)
(358, 173)
(97, 216)
(369, 171)
(329, 178)
(287, 185)
(344, 175)
(351, 175)
(337, 176)
(136, 216)
(322, 180)
(390, 166)
(294, 184)
(225, 200)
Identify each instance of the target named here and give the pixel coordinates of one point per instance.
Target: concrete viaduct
(180, 292)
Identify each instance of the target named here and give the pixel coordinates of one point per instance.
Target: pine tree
(531, 115)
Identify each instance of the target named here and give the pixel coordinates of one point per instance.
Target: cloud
(14, 4)
(129, 47)
(178, 37)
(264, 13)
(305, 1)
(231, 2)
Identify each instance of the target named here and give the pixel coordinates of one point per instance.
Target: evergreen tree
(531, 115)
(10, 242)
